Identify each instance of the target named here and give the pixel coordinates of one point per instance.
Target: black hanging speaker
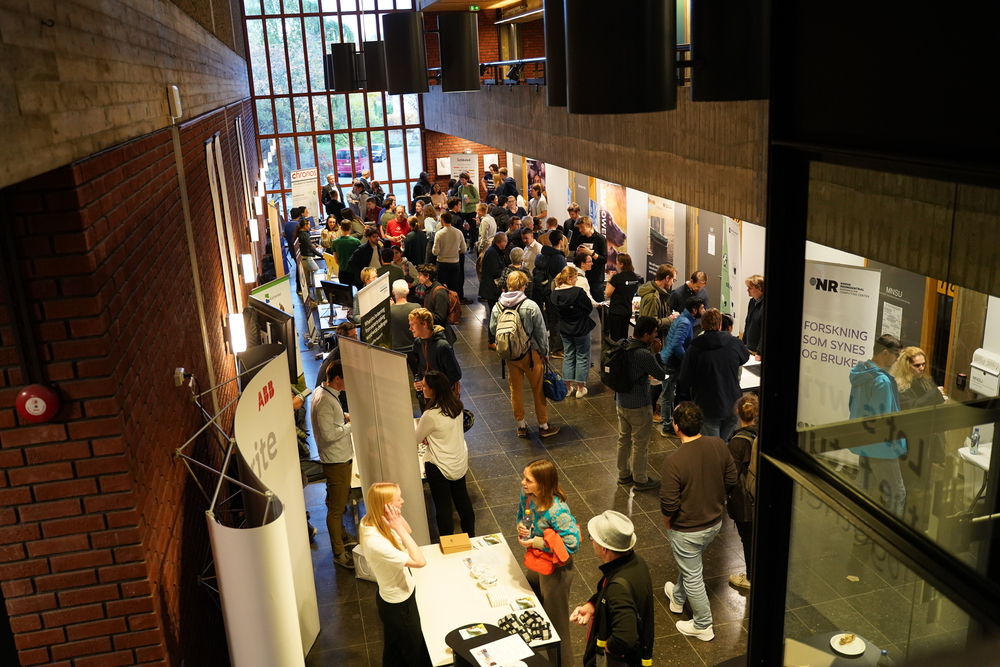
(555, 53)
(458, 34)
(328, 71)
(374, 57)
(406, 58)
(345, 67)
(730, 47)
(620, 61)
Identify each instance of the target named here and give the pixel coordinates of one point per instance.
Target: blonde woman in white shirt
(391, 552)
(447, 459)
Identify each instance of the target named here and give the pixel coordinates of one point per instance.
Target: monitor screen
(339, 294)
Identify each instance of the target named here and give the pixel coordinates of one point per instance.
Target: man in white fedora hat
(620, 613)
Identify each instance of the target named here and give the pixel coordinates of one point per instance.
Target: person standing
(398, 227)
(507, 186)
(532, 249)
(589, 242)
(415, 244)
(368, 255)
(620, 614)
(329, 233)
(489, 282)
(434, 352)
(697, 477)
(446, 462)
(538, 207)
(549, 264)
(753, 326)
(487, 226)
(309, 254)
(332, 430)
(710, 374)
(343, 247)
(490, 179)
(678, 340)
(741, 448)
(438, 198)
(391, 552)
(693, 288)
(357, 200)
(330, 197)
(532, 365)
(634, 407)
(569, 225)
(874, 392)
(553, 530)
(468, 193)
(399, 322)
(620, 291)
(575, 324)
(449, 248)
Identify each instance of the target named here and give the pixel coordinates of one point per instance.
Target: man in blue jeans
(697, 478)
(678, 340)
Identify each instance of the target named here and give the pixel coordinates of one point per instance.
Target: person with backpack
(743, 448)
(548, 264)
(493, 263)
(516, 323)
(575, 324)
(436, 299)
(626, 368)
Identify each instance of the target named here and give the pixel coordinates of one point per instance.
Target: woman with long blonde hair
(391, 551)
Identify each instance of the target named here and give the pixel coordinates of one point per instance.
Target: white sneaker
(581, 392)
(687, 628)
(668, 588)
(740, 580)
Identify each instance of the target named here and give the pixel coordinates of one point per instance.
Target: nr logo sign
(824, 284)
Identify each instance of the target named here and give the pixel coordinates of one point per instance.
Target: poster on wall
(660, 247)
(278, 293)
(264, 428)
(839, 314)
(733, 292)
(465, 162)
(611, 220)
(536, 174)
(305, 189)
(901, 303)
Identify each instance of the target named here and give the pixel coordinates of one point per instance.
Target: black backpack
(502, 216)
(541, 280)
(613, 369)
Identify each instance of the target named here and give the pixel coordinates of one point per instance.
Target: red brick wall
(533, 39)
(102, 532)
(438, 145)
(489, 47)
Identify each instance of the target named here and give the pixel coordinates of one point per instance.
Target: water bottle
(974, 448)
(527, 521)
(883, 660)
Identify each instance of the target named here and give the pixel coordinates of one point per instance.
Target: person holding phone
(391, 552)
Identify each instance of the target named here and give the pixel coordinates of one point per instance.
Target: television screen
(277, 326)
(339, 294)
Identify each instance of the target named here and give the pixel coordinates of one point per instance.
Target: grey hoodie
(531, 319)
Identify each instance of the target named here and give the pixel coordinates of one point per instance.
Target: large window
(303, 125)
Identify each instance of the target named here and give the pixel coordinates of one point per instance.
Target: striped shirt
(639, 365)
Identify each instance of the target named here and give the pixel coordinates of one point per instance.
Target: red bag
(544, 562)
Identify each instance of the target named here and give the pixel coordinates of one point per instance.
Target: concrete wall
(706, 155)
(78, 77)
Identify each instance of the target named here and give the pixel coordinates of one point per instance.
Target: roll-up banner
(612, 221)
(839, 314)
(373, 301)
(264, 427)
(305, 189)
(385, 443)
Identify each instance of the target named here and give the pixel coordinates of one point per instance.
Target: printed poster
(660, 246)
(611, 221)
(305, 189)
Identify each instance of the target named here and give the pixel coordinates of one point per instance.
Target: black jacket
(623, 613)
(415, 247)
(753, 326)
(494, 263)
(436, 301)
(710, 371)
(596, 273)
(574, 307)
(361, 258)
(506, 189)
(548, 264)
(741, 447)
(436, 354)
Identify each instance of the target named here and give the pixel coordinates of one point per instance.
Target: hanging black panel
(555, 53)
(459, 38)
(374, 56)
(345, 67)
(730, 46)
(406, 56)
(620, 61)
(328, 71)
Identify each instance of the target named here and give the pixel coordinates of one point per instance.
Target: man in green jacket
(622, 608)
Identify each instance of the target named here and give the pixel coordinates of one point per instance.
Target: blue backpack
(553, 386)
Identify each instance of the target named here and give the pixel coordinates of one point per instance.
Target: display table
(750, 375)
(462, 648)
(980, 460)
(816, 652)
(449, 597)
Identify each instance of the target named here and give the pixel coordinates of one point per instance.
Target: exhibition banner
(305, 189)
(374, 300)
(733, 290)
(611, 220)
(465, 162)
(840, 309)
(536, 174)
(385, 443)
(264, 427)
(660, 247)
(278, 293)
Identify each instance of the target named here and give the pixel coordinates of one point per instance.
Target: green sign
(473, 8)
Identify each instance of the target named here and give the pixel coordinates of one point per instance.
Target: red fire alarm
(37, 403)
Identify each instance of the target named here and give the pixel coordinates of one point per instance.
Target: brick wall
(102, 532)
(489, 47)
(437, 144)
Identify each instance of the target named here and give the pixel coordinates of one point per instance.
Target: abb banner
(305, 189)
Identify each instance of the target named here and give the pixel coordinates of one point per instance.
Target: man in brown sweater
(697, 478)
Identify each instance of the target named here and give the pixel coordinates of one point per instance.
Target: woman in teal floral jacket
(541, 493)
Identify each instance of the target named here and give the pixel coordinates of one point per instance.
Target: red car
(344, 166)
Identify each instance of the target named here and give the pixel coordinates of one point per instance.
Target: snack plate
(856, 647)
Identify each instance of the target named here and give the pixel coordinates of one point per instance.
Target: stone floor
(584, 452)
